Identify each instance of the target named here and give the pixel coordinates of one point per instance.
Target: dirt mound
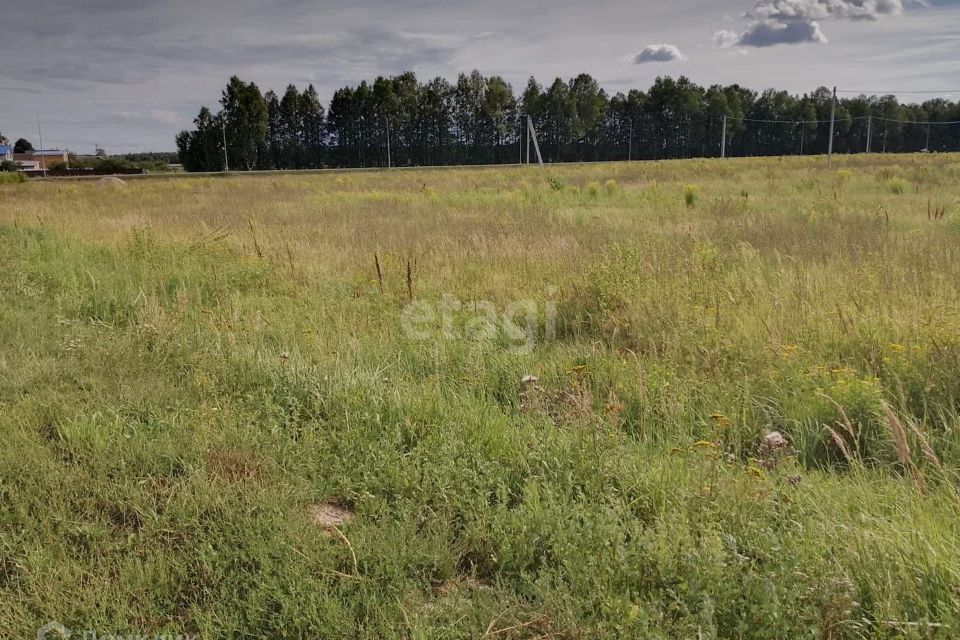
(329, 515)
(111, 181)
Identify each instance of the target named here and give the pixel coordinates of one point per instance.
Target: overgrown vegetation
(10, 176)
(743, 424)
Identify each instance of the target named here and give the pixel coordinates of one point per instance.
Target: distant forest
(480, 120)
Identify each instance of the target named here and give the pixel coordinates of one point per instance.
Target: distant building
(6, 153)
(41, 159)
(48, 157)
(26, 161)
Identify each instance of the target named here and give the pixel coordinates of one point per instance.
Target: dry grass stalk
(844, 419)
(841, 444)
(409, 282)
(847, 426)
(935, 212)
(290, 259)
(493, 631)
(902, 447)
(376, 262)
(346, 541)
(256, 245)
(931, 456)
(928, 453)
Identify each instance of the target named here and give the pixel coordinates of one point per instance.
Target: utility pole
(43, 158)
(803, 134)
(833, 116)
(520, 137)
(869, 131)
(223, 128)
(536, 145)
(528, 139)
(630, 146)
(723, 139)
(927, 147)
(389, 161)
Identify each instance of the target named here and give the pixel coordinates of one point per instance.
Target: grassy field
(489, 403)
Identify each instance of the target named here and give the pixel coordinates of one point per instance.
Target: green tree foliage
(590, 104)
(22, 146)
(295, 130)
(481, 120)
(202, 148)
(245, 118)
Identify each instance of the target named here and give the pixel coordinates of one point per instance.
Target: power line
(791, 121)
(850, 119)
(888, 93)
(928, 122)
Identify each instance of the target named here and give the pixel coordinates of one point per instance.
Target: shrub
(691, 194)
(593, 189)
(897, 186)
(112, 165)
(7, 177)
(9, 166)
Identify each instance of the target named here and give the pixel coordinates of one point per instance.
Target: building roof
(5, 149)
(48, 152)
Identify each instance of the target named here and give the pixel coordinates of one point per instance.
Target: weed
(897, 186)
(691, 194)
(12, 177)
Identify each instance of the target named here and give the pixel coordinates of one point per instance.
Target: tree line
(401, 121)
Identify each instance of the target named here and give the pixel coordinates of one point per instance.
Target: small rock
(774, 440)
(528, 379)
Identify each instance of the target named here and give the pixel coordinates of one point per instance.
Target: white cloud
(657, 53)
(725, 38)
(774, 22)
(806, 10)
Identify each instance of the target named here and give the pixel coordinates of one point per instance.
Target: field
(486, 403)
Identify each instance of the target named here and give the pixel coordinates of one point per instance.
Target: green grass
(189, 367)
(11, 178)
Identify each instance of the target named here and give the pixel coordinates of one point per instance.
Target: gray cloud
(767, 33)
(774, 22)
(657, 53)
(787, 10)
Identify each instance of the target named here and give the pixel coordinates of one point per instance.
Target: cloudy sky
(128, 74)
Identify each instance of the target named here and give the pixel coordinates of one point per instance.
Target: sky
(127, 75)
